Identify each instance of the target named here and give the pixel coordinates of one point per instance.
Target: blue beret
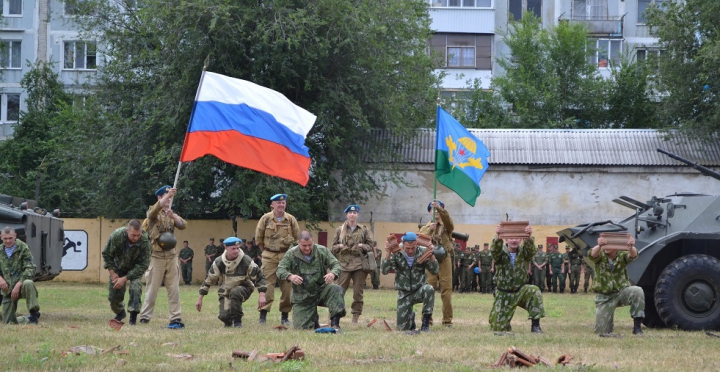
(352, 208)
(163, 190)
(278, 197)
(439, 202)
(232, 241)
(409, 237)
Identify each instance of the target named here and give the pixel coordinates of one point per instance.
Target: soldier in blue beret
(351, 245)
(279, 197)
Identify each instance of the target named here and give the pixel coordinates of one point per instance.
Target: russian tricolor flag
(250, 126)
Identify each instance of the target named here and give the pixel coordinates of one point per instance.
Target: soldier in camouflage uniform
(538, 266)
(612, 287)
(126, 256)
(164, 266)
(210, 255)
(467, 264)
(457, 270)
(239, 275)
(311, 269)
(375, 280)
(351, 242)
(548, 276)
(486, 267)
(254, 252)
(186, 256)
(575, 259)
(441, 233)
(411, 282)
(475, 264)
(17, 269)
(557, 269)
(275, 232)
(511, 266)
(589, 273)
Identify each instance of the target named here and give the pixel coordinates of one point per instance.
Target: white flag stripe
(225, 89)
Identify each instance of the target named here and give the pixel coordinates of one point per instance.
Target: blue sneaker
(176, 324)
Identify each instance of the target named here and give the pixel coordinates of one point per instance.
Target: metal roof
(568, 147)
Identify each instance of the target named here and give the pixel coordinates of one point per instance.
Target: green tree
(629, 101)
(357, 65)
(689, 72)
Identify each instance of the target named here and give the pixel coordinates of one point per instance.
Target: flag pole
(435, 170)
(206, 63)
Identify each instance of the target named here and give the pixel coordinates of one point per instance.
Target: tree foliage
(689, 71)
(357, 65)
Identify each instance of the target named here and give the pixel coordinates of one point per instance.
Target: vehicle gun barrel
(704, 170)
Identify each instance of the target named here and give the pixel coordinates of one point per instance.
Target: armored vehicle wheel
(687, 293)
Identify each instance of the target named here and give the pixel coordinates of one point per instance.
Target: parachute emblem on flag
(461, 153)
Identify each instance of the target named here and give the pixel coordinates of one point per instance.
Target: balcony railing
(599, 26)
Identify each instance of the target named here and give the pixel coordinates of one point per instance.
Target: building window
(10, 54)
(607, 51)
(518, 7)
(80, 55)
(590, 9)
(461, 3)
(76, 8)
(11, 8)
(462, 50)
(644, 4)
(10, 111)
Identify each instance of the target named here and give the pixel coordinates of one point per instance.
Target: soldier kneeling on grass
(411, 281)
(612, 287)
(17, 269)
(239, 275)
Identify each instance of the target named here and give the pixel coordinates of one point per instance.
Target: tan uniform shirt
(158, 222)
(357, 242)
(277, 234)
(442, 233)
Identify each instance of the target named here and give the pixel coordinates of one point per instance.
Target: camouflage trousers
(9, 307)
(557, 276)
(304, 314)
(528, 298)
(117, 297)
(589, 273)
(485, 279)
(574, 278)
(605, 304)
(406, 300)
(466, 277)
(231, 305)
(375, 276)
(539, 278)
(186, 270)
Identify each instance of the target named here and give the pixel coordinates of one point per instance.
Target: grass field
(77, 314)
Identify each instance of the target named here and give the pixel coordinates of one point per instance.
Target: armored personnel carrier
(678, 242)
(42, 231)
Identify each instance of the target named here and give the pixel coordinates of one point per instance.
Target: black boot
(585, 290)
(562, 290)
(133, 317)
(535, 327)
(33, 317)
(637, 327)
(237, 322)
(412, 321)
(335, 322)
(263, 317)
(425, 327)
(316, 320)
(120, 316)
(284, 319)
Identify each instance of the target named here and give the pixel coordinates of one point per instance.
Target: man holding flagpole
(440, 230)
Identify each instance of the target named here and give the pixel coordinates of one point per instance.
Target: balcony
(608, 26)
(463, 20)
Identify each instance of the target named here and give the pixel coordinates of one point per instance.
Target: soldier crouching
(411, 281)
(239, 275)
(306, 266)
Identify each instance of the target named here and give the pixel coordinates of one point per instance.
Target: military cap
(409, 237)
(352, 208)
(486, 244)
(476, 246)
(232, 241)
(539, 245)
(278, 197)
(439, 202)
(163, 190)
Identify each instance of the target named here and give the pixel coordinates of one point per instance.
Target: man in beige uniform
(441, 232)
(164, 265)
(275, 231)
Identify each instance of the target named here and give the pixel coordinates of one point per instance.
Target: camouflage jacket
(507, 276)
(485, 258)
(357, 243)
(442, 235)
(186, 253)
(158, 222)
(211, 250)
(611, 281)
(127, 260)
(556, 261)
(408, 278)
(18, 267)
(566, 262)
(312, 271)
(277, 235)
(575, 259)
(241, 271)
(540, 258)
